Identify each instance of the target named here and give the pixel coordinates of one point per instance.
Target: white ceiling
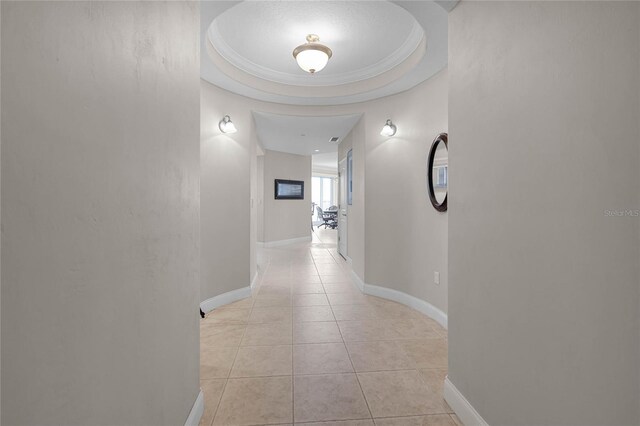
(271, 30)
(327, 162)
(379, 48)
(302, 135)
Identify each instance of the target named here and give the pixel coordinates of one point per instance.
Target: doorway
(324, 194)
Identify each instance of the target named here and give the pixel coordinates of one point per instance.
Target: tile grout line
(414, 415)
(291, 280)
(224, 388)
(355, 372)
(353, 366)
(322, 374)
(293, 397)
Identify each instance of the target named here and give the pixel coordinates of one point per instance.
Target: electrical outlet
(436, 278)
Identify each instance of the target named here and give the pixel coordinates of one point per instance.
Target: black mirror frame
(441, 207)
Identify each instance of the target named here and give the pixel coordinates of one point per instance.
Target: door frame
(343, 209)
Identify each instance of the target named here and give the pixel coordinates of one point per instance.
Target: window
(441, 176)
(323, 192)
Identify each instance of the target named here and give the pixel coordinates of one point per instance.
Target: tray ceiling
(379, 48)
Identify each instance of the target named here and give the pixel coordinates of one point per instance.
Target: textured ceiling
(380, 48)
(367, 38)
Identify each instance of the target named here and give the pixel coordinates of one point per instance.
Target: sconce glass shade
(312, 56)
(226, 125)
(389, 129)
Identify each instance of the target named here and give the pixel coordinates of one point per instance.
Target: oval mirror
(438, 172)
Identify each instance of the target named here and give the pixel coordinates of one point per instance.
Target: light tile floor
(309, 348)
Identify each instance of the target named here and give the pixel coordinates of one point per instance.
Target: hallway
(309, 347)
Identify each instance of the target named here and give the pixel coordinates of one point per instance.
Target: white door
(342, 209)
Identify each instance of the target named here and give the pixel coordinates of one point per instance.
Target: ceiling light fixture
(226, 125)
(389, 129)
(312, 56)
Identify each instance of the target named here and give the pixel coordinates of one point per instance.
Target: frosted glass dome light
(226, 125)
(389, 129)
(312, 56)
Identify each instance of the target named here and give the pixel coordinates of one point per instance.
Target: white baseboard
(464, 410)
(225, 298)
(357, 281)
(349, 260)
(406, 299)
(196, 411)
(286, 242)
(254, 281)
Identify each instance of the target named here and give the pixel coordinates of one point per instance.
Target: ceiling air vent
(334, 139)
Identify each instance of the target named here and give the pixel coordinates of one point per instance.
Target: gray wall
(286, 219)
(253, 201)
(225, 209)
(0, 226)
(406, 238)
(392, 224)
(260, 197)
(227, 276)
(100, 195)
(418, 232)
(543, 302)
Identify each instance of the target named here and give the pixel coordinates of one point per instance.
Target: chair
(329, 220)
(334, 213)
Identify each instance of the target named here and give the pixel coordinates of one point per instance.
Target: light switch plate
(436, 278)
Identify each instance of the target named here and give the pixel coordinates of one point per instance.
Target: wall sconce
(389, 129)
(226, 125)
